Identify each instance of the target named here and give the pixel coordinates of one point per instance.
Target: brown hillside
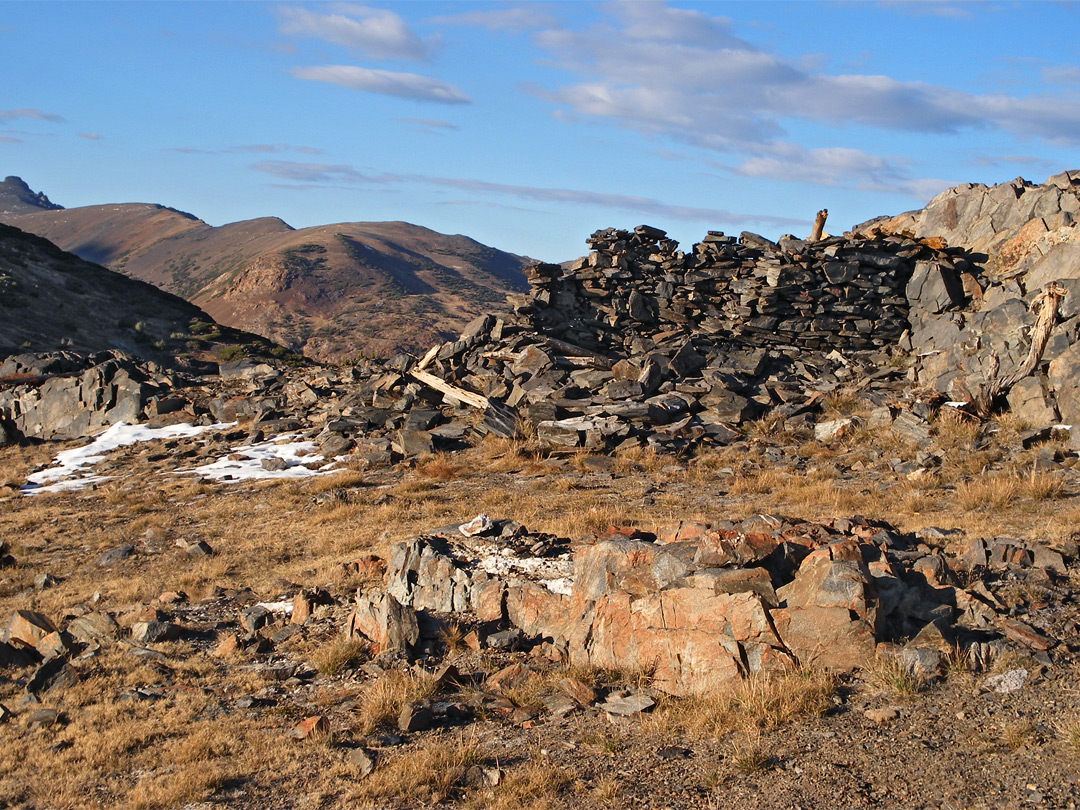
(52, 301)
(332, 292)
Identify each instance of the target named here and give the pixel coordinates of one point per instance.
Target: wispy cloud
(320, 173)
(624, 202)
(312, 175)
(255, 148)
(933, 8)
(274, 148)
(27, 112)
(686, 75)
(90, 136)
(522, 18)
(375, 33)
(8, 139)
(429, 124)
(384, 82)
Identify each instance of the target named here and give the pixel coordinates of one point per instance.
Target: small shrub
(334, 656)
(230, 354)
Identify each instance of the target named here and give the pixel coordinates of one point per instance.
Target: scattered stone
(311, 728)
(481, 524)
(153, 632)
(115, 555)
(580, 691)
(54, 645)
(199, 548)
(16, 657)
(43, 582)
(416, 716)
(27, 627)
(1010, 681)
(881, 716)
(97, 627)
(55, 673)
(361, 759)
(45, 718)
(674, 752)
(1026, 634)
(255, 617)
(483, 776)
(627, 705)
(226, 646)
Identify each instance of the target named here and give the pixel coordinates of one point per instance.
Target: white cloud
(90, 136)
(623, 202)
(429, 124)
(315, 174)
(384, 82)
(376, 33)
(522, 18)
(26, 112)
(684, 74)
(319, 173)
(274, 148)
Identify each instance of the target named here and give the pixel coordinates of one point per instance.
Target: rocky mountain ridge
(330, 292)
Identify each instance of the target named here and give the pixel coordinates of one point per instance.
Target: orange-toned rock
(532, 607)
(317, 726)
(227, 645)
(27, 627)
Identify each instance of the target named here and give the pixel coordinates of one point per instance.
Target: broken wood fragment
(439, 384)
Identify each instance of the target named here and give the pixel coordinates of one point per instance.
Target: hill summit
(18, 198)
(332, 292)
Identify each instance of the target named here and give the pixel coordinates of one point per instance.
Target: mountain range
(52, 301)
(331, 292)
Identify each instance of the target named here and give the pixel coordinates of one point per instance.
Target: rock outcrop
(697, 606)
(977, 322)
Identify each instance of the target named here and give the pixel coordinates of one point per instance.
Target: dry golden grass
(843, 403)
(761, 702)
(190, 746)
(441, 467)
(999, 492)
(382, 699)
(1016, 736)
(337, 654)
(1068, 730)
(749, 753)
(430, 773)
(889, 674)
(535, 784)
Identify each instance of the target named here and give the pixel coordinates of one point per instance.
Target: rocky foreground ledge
(702, 606)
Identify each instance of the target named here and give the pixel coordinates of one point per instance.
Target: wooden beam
(819, 224)
(441, 385)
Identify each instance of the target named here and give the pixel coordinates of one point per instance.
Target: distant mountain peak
(16, 197)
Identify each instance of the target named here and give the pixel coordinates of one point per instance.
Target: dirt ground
(181, 723)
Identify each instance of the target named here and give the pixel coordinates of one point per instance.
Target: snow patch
(554, 573)
(70, 467)
(295, 454)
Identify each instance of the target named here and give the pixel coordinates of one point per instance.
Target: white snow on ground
(294, 453)
(70, 469)
(554, 573)
(284, 606)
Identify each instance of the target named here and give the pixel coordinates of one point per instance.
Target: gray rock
(115, 555)
(627, 705)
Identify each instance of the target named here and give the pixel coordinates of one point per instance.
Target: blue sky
(530, 125)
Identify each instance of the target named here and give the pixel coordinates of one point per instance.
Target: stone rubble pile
(641, 344)
(1023, 237)
(65, 396)
(701, 606)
